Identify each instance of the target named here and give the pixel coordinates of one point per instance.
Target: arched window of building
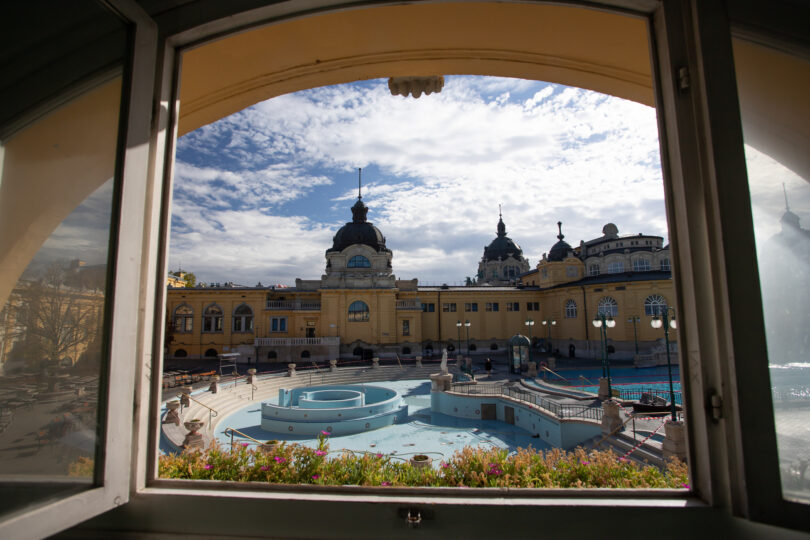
(211, 353)
(616, 267)
(304, 354)
(358, 311)
(406, 350)
(641, 265)
(665, 265)
(180, 353)
(183, 318)
(358, 351)
(570, 309)
(358, 261)
(655, 304)
(510, 271)
(272, 355)
(493, 347)
(243, 319)
(212, 319)
(608, 307)
(593, 269)
(473, 347)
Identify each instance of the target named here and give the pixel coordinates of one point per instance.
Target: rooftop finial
(500, 213)
(559, 226)
(359, 182)
(787, 207)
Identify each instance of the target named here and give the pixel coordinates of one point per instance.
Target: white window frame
(735, 469)
(570, 309)
(278, 323)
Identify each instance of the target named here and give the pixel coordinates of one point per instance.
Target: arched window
(593, 270)
(510, 271)
(570, 309)
(180, 353)
(616, 267)
(358, 311)
(358, 351)
(655, 304)
(211, 353)
(608, 307)
(493, 347)
(473, 347)
(358, 261)
(243, 319)
(641, 265)
(272, 355)
(304, 354)
(183, 318)
(665, 265)
(406, 350)
(212, 319)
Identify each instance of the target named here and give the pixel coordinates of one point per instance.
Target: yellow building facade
(358, 309)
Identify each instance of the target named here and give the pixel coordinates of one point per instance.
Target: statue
(444, 361)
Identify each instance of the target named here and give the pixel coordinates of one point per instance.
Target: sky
(258, 195)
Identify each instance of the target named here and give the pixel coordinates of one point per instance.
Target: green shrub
(469, 467)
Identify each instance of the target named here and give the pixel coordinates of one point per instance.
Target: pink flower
(264, 468)
(585, 462)
(320, 453)
(244, 444)
(325, 433)
(686, 486)
(623, 459)
(445, 465)
(386, 484)
(379, 455)
(279, 459)
(316, 476)
(208, 467)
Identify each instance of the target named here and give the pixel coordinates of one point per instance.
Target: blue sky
(258, 195)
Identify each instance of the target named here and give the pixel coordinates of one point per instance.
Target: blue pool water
(622, 379)
(421, 432)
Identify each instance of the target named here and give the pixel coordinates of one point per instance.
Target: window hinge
(683, 79)
(716, 402)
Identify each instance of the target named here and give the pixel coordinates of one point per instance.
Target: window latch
(683, 79)
(716, 402)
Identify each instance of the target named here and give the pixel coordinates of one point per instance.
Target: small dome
(560, 250)
(610, 231)
(358, 231)
(789, 219)
(502, 247)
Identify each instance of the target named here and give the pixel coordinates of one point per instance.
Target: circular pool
(338, 410)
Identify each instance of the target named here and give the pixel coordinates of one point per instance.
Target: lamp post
(635, 320)
(603, 322)
(458, 327)
(549, 323)
(667, 321)
(467, 326)
(529, 323)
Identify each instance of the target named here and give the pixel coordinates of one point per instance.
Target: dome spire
(561, 235)
(501, 226)
(359, 183)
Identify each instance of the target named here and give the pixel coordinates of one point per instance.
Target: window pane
(773, 89)
(56, 198)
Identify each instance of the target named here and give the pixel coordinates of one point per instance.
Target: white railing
(291, 342)
(414, 305)
(292, 305)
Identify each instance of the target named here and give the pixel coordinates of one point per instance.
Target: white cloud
(445, 162)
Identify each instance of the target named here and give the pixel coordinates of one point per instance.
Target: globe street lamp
(467, 326)
(603, 322)
(458, 327)
(666, 321)
(635, 320)
(549, 323)
(530, 323)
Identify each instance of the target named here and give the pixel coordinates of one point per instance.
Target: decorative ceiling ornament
(415, 86)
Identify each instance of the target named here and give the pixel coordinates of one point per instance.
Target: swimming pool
(630, 382)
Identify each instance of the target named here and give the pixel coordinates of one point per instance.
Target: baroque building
(359, 309)
(502, 261)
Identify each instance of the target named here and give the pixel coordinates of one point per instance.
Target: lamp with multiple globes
(603, 322)
(666, 321)
(530, 323)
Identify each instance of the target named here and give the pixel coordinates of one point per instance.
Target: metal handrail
(231, 431)
(556, 374)
(558, 409)
(212, 413)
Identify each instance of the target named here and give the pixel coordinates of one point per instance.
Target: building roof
(502, 247)
(358, 231)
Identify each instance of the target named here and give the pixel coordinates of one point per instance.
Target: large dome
(502, 247)
(560, 250)
(358, 231)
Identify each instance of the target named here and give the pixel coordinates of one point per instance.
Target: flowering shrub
(469, 467)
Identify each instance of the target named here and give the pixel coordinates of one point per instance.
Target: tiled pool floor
(422, 432)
